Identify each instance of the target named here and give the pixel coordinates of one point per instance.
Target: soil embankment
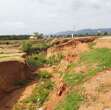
(12, 72)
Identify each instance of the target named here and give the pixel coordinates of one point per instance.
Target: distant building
(33, 37)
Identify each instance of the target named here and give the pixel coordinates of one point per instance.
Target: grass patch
(96, 60)
(73, 78)
(101, 56)
(72, 65)
(40, 93)
(55, 59)
(71, 102)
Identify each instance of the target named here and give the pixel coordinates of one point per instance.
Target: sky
(50, 16)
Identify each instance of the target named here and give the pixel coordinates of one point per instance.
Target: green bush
(36, 60)
(71, 102)
(26, 46)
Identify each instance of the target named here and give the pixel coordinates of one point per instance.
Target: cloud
(52, 15)
(91, 4)
(13, 24)
(47, 2)
(12, 27)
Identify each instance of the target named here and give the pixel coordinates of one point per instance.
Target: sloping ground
(98, 92)
(11, 72)
(71, 51)
(59, 91)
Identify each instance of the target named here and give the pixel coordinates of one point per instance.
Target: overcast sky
(47, 16)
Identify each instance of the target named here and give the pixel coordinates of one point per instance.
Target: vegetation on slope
(40, 59)
(70, 102)
(30, 46)
(101, 56)
(55, 59)
(39, 94)
(36, 60)
(96, 60)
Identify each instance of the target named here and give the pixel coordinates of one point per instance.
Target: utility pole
(72, 35)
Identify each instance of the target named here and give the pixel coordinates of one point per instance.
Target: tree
(38, 35)
(105, 33)
(98, 34)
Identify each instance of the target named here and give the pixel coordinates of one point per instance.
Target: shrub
(26, 46)
(36, 60)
